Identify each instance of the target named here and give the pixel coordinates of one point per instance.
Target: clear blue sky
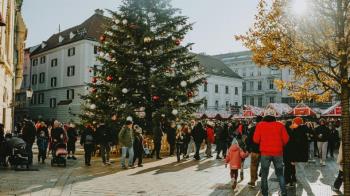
(217, 21)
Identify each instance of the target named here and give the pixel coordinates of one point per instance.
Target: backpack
(89, 139)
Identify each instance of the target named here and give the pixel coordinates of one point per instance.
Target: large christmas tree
(146, 71)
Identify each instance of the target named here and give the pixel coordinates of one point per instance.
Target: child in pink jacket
(234, 158)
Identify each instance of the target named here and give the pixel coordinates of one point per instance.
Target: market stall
(278, 109)
(333, 111)
(302, 110)
(250, 111)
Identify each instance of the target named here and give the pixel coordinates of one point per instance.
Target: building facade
(13, 33)
(258, 82)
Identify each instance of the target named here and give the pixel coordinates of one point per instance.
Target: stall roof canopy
(335, 110)
(250, 111)
(303, 110)
(278, 109)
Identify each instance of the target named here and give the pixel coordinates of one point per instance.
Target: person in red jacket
(271, 136)
(210, 138)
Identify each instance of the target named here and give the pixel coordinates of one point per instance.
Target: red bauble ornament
(109, 78)
(94, 80)
(155, 98)
(94, 90)
(189, 94)
(102, 38)
(177, 42)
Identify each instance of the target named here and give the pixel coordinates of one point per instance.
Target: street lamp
(29, 93)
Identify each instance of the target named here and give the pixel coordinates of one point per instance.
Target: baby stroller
(59, 154)
(17, 153)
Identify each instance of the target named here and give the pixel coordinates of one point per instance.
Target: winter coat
(322, 133)
(126, 137)
(138, 143)
(271, 136)
(157, 133)
(56, 134)
(311, 134)
(103, 135)
(72, 134)
(340, 157)
(251, 145)
(333, 136)
(297, 148)
(221, 134)
(29, 132)
(210, 135)
(171, 134)
(198, 133)
(42, 138)
(235, 156)
(88, 137)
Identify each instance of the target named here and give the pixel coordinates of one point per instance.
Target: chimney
(99, 12)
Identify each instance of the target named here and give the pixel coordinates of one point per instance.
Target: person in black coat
(138, 145)
(28, 135)
(72, 138)
(88, 140)
(322, 134)
(296, 150)
(333, 139)
(157, 138)
(198, 134)
(171, 137)
(221, 135)
(104, 139)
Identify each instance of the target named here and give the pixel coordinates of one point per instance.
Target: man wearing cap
(126, 142)
(271, 136)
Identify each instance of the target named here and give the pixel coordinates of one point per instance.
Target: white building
(60, 70)
(223, 88)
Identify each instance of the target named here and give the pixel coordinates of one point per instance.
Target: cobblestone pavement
(164, 177)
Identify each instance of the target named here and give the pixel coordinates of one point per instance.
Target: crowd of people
(264, 139)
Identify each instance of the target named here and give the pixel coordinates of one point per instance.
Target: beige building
(13, 33)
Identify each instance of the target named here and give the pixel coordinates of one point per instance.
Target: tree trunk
(346, 137)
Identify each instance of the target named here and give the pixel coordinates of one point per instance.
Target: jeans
(130, 151)
(208, 149)
(322, 147)
(254, 164)
(265, 166)
(157, 147)
(172, 148)
(331, 147)
(88, 148)
(29, 151)
(105, 149)
(311, 150)
(190, 147)
(198, 147)
(179, 150)
(221, 146)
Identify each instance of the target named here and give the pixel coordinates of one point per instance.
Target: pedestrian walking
(180, 141)
(138, 146)
(157, 138)
(42, 140)
(254, 151)
(171, 134)
(333, 140)
(198, 134)
(191, 144)
(271, 136)
(210, 138)
(88, 141)
(221, 134)
(126, 137)
(28, 135)
(72, 135)
(311, 139)
(234, 159)
(340, 178)
(322, 133)
(104, 140)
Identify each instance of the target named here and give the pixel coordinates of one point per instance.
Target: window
(53, 82)
(70, 94)
(25, 77)
(53, 103)
(226, 89)
(251, 85)
(71, 51)
(252, 73)
(236, 90)
(271, 86)
(259, 72)
(244, 72)
(34, 99)
(236, 103)
(227, 105)
(42, 77)
(260, 99)
(252, 101)
(35, 62)
(259, 85)
(34, 79)
(205, 104)
(272, 99)
(216, 104)
(71, 70)
(244, 86)
(95, 49)
(216, 88)
(53, 62)
(42, 59)
(41, 98)
(205, 87)
(244, 100)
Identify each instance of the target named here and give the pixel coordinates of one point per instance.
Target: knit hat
(296, 122)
